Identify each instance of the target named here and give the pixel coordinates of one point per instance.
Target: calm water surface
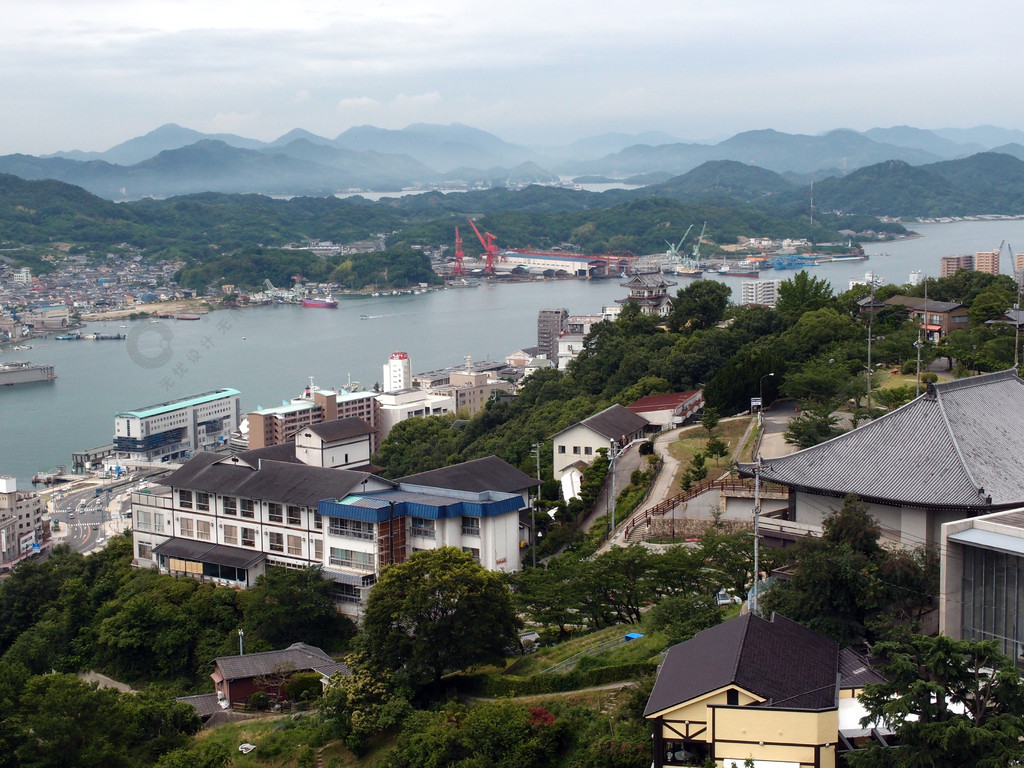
(269, 353)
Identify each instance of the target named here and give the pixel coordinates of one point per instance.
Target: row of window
(586, 451)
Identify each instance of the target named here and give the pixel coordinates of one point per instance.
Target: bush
(304, 686)
(928, 377)
(646, 448)
(259, 701)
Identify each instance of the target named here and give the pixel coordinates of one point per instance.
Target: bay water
(269, 353)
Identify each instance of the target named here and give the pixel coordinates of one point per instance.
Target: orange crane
(458, 268)
(490, 247)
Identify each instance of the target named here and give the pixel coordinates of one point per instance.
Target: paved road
(776, 419)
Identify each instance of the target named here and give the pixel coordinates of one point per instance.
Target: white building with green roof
(175, 430)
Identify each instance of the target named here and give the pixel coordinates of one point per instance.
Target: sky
(89, 74)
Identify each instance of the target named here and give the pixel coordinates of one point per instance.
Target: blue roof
(378, 507)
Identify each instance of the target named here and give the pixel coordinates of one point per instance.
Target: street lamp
(760, 395)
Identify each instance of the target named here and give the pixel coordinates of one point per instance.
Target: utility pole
(754, 609)
(533, 511)
(611, 499)
(241, 642)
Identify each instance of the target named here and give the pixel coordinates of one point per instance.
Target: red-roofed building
(669, 411)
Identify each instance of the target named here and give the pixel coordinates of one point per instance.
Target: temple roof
(958, 445)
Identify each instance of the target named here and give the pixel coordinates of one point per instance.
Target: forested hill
(985, 183)
(209, 231)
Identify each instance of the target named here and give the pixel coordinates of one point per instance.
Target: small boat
(325, 303)
(364, 317)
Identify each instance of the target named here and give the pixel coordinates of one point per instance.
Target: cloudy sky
(89, 74)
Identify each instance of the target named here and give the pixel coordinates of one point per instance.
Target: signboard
(755, 404)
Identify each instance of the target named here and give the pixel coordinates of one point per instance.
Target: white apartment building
(174, 430)
(23, 530)
(224, 519)
(409, 404)
(397, 373)
(761, 292)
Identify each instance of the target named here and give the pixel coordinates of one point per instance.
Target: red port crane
(458, 268)
(490, 247)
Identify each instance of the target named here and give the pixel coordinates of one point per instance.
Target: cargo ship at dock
(16, 372)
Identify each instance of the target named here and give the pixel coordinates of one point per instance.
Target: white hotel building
(224, 519)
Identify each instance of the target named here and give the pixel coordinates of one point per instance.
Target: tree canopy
(437, 612)
(951, 703)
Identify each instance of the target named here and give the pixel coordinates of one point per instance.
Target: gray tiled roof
(855, 670)
(486, 474)
(957, 445)
(285, 482)
(341, 429)
(205, 703)
(616, 421)
(778, 660)
(297, 657)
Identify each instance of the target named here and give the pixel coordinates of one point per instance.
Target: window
(294, 545)
(185, 499)
(202, 501)
(274, 512)
(353, 529)
(470, 526)
(422, 526)
(149, 521)
(576, 450)
(318, 522)
(248, 508)
(318, 549)
(248, 537)
(588, 451)
(185, 528)
(732, 697)
(231, 534)
(351, 559)
(145, 550)
(561, 449)
(203, 530)
(294, 516)
(276, 542)
(230, 505)
(474, 551)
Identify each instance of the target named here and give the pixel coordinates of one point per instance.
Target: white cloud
(523, 70)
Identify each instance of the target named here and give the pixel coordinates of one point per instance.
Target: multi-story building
(550, 324)
(174, 430)
(22, 276)
(569, 347)
(762, 292)
(280, 424)
(950, 264)
(987, 261)
(409, 404)
(650, 291)
(397, 372)
(22, 528)
(471, 390)
(224, 519)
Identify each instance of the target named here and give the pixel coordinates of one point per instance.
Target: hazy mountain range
(173, 160)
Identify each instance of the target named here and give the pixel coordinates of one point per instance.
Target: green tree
(951, 704)
(681, 617)
(814, 425)
(699, 306)
(802, 293)
(438, 611)
(288, 606)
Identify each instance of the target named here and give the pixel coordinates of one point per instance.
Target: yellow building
(766, 690)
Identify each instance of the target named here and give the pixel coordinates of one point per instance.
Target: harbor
(268, 352)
